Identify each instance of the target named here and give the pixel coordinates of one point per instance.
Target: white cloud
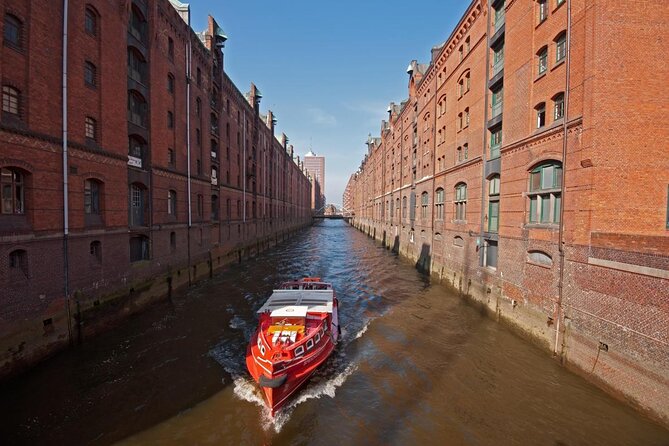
(321, 117)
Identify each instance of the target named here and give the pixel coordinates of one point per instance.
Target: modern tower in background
(315, 165)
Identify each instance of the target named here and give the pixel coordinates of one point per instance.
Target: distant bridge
(332, 211)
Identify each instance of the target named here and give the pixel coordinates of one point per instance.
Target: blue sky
(328, 70)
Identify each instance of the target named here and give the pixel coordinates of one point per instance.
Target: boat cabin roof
(316, 301)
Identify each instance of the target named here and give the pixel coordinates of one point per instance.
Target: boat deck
(313, 301)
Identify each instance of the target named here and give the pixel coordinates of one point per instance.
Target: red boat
(297, 331)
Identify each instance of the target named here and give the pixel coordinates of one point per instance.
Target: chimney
(271, 121)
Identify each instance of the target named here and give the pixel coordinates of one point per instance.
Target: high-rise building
(315, 165)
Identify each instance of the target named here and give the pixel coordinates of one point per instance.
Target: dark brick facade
(130, 239)
(582, 158)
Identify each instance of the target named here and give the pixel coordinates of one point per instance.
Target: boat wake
(324, 382)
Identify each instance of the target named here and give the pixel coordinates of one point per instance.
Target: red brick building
(529, 170)
(130, 164)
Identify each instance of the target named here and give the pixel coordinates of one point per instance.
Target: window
(137, 204)
(310, 344)
(11, 99)
(459, 121)
(198, 137)
(460, 52)
(198, 167)
(18, 261)
(91, 128)
(404, 206)
(199, 77)
(91, 22)
(172, 202)
(461, 201)
(461, 88)
(137, 109)
(198, 107)
(170, 120)
(173, 241)
(543, 10)
(139, 248)
(170, 83)
(13, 191)
(558, 106)
(424, 199)
(467, 117)
(541, 114)
(495, 142)
(542, 60)
(96, 250)
(200, 205)
(442, 105)
(493, 204)
(544, 194)
(439, 203)
(490, 254)
(468, 45)
(92, 192)
(214, 207)
(90, 74)
(13, 31)
(170, 157)
(498, 16)
(498, 59)
(539, 258)
(467, 82)
(560, 47)
(465, 151)
(170, 48)
(497, 102)
(138, 26)
(137, 66)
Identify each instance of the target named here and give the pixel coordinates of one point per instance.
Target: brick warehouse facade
(171, 171)
(512, 172)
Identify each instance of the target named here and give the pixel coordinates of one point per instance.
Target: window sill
(459, 222)
(17, 48)
(550, 226)
(541, 22)
(560, 62)
(539, 265)
(558, 6)
(540, 76)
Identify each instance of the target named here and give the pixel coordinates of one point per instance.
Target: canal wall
(97, 306)
(625, 363)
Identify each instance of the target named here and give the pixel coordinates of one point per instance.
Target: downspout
(66, 204)
(188, 160)
(434, 166)
(244, 177)
(484, 152)
(558, 310)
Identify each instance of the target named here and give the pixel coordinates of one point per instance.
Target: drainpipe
(66, 205)
(558, 309)
(434, 166)
(244, 176)
(484, 152)
(188, 172)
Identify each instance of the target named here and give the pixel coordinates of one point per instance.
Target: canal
(417, 365)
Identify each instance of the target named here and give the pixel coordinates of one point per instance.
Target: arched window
(96, 250)
(560, 47)
(458, 241)
(539, 258)
(138, 25)
(460, 201)
(397, 207)
(172, 202)
(170, 120)
(544, 193)
(558, 106)
(198, 107)
(170, 48)
(91, 128)
(12, 183)
(540, 110)
(542, 60)
(404, 206)
(137, 109)
(170, 83)
(493, 203)
(92, 194)
(91, 21)
(13, 31)
(439, 204)
(137, 151)
(214, 207)
(90, 74)
(424, 201)
(11, 100)
(137, 66)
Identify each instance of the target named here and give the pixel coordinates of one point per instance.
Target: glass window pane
(547, 177)
(545, 209)
(556, 214)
